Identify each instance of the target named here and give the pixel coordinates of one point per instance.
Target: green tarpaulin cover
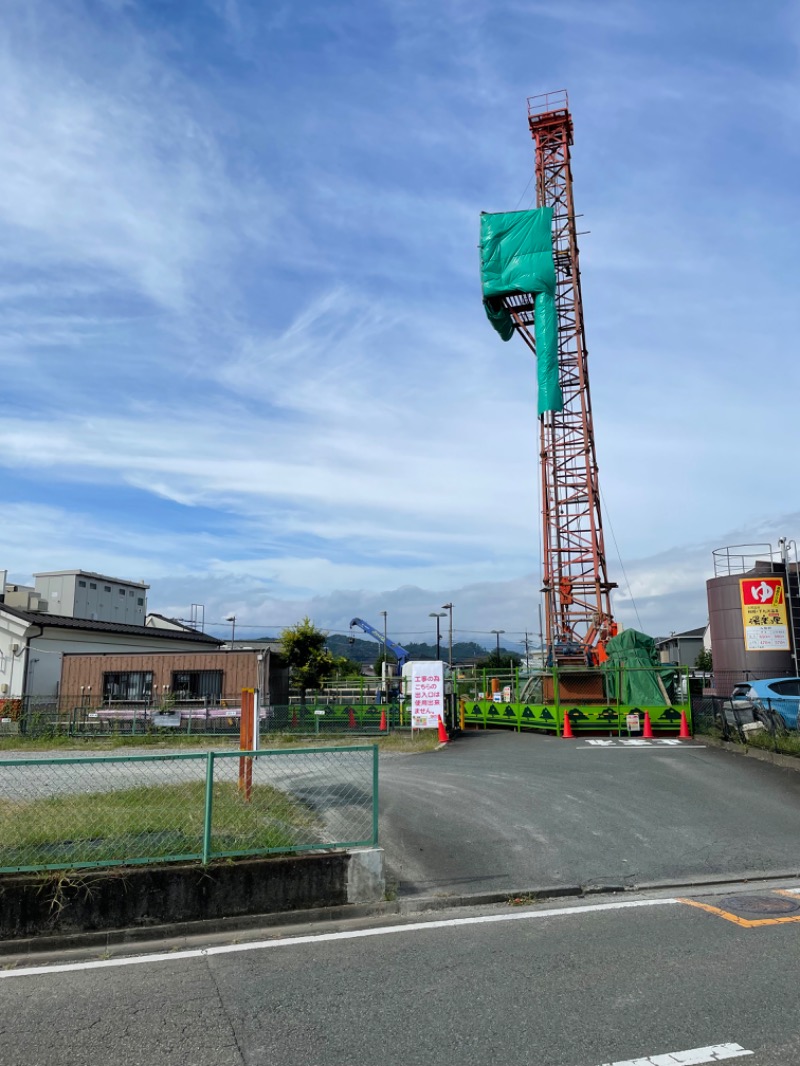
(517, 257)
(635, 668)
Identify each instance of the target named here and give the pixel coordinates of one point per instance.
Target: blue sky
(243, 350)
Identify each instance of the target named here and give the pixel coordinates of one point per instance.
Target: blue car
(776, 695)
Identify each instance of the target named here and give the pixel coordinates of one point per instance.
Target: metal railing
(122, 810)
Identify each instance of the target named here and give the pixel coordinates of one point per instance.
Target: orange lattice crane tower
(576, 588)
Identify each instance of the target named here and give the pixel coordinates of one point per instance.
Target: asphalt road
(579, 988)
(499, 811)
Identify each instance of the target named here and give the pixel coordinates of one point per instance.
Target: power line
(619, 556)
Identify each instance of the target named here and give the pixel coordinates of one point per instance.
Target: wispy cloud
(239, 295)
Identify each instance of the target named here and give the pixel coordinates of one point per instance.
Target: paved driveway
(500, 811)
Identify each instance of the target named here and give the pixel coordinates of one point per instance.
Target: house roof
(174, 622)
(61, 621)
(693, 634)
(90, 573)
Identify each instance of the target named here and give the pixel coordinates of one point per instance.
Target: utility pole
(449, 608)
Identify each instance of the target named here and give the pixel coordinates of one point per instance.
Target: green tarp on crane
(517, 257)
(635, 668)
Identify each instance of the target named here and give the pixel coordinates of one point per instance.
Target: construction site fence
(614, 701)
(72, 813)
(68, 717)
(513, 685)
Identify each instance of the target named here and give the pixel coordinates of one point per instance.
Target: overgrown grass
(149, 822)
(425, 740)
(783, 743)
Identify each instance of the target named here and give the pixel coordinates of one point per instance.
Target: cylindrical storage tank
(732, 662)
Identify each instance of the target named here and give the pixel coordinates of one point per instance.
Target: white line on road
(693, 1057)
(355, 934)
(633, 745)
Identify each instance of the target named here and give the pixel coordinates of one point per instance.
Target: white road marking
(318, 938)
(693, 1057)
(637, 742)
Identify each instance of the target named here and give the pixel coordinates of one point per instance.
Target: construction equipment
(399, 653)
(577, 606)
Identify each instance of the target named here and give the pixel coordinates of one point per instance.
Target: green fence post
(619, 699)
(557, 699)
(209, 808)
(374, 795)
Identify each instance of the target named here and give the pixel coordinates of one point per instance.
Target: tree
(391, 658)
(506, 660)
(310, 662)
(346, 668)
(704, 661)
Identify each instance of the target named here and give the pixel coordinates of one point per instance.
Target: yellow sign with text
(764, 614)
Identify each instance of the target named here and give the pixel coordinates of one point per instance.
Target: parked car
(775, 702)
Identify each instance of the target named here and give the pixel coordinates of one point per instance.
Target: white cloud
(239, 287)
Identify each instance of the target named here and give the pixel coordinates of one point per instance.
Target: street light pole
(437, 616)
(232, 619)
(497, 633)
(449, 608)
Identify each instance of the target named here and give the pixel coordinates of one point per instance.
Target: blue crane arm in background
(400, 653)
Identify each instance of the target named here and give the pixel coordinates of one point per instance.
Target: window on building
(92, 584)
(106, 588)
(81, 584)
(140, 601)
(122, 592)
(197, 684)
(128, 685)
(130, 592)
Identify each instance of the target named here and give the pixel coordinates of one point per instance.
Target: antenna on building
(197, 617)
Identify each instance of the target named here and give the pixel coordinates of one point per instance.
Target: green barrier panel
(586, 718)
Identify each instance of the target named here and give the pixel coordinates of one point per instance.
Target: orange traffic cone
(684, 733)
(647, 731)
(443, 737)
(566, 732)
(352, 721)
(382, 726)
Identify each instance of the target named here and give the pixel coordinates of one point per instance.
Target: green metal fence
(65, 716)
(58, 814)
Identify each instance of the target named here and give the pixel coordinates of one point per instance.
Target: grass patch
(426, 740)
(149, 823)
(783, 743)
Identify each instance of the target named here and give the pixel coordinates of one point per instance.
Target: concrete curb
(788, 762)
(152, 938)
(210, 927)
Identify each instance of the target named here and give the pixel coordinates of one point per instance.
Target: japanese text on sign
(427, 695)
(764, 614)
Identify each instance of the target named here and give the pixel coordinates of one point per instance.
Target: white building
(83, 594)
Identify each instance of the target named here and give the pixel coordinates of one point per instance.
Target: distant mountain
(367, 651)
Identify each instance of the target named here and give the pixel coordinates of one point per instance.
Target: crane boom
(399, 653)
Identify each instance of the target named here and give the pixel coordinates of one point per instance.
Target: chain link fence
(81, 717)
(133, 809)
(765, 723)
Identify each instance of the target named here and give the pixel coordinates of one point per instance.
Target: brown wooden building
(153, 676)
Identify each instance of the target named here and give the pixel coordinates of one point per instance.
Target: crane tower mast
(576, 588)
